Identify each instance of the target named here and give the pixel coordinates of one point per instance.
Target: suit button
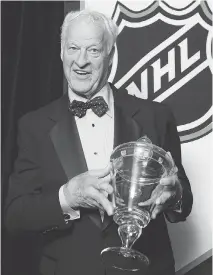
(54, 228)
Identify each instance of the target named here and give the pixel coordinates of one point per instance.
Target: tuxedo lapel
(126, 129)
(65, 138)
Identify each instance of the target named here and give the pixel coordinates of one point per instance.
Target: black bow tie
(97, 104)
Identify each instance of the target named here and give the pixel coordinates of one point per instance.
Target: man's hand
(90, 190)
(165, 195)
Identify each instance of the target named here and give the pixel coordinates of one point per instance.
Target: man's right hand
(90, 190)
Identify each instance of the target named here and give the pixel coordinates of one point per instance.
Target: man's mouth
(80, 72)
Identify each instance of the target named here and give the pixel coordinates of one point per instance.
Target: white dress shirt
(96, 136)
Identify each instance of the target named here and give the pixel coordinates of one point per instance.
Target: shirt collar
(105, 92)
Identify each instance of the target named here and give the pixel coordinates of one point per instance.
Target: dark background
(31, 76)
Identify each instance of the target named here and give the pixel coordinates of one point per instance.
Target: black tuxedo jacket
(50, 153)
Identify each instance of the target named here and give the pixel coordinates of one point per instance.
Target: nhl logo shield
(163, 54)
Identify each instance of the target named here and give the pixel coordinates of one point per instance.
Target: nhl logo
(164, 54)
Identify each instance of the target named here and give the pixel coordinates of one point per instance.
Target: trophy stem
(130, 226)
(129, 233)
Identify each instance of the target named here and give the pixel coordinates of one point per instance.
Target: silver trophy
(137, 168)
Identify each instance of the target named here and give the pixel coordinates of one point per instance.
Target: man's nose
(82, 58)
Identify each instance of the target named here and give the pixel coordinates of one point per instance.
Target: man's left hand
(164, 196)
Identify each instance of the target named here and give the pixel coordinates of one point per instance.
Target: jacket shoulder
(144, 105)
(39, 115)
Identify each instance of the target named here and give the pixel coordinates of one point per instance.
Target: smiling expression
(85, 57)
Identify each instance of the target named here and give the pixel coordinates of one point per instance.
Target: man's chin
(82, 91)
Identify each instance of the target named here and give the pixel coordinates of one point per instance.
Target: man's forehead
(85, 28)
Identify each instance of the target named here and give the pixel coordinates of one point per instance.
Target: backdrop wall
(163, 54)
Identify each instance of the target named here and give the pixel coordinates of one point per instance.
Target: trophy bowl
(137, 168)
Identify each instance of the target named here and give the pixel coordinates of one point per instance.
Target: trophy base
(125, 259)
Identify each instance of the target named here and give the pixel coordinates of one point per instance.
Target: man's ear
(111, 55)
(62, 51)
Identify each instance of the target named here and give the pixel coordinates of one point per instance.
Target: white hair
(93, 16)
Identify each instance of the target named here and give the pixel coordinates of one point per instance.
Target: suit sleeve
(172, 144)
(29, 206)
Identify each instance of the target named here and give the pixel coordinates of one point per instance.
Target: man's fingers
(160, 204)
(168, 181)
(105, 179)
(101, 199)
(166, 196)
(102, 183)
(157, 210)
(119, 201)
(106, 187)
(93, 203)
(157, 199)
(155, 194)
(104, 193)
(101, 173)
(148, 202)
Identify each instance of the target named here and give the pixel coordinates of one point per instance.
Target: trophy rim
(149, 145)
(159, 150)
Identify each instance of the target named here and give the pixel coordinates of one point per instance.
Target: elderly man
(60, 186)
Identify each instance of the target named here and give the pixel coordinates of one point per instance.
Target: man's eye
(72, 48)
(94, 51)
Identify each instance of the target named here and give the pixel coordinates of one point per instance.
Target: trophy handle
(144, 139)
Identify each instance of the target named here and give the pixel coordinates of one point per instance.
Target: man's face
(85, 58)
